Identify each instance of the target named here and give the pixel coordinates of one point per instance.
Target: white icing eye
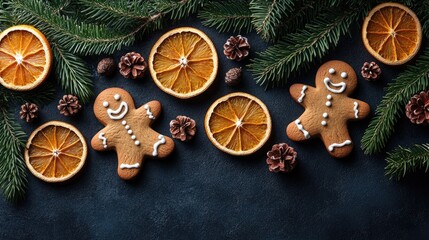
(331, 71)
(117, 97)
(344, 75)
(105, 104)
(124, 122)
(329, 97)
(325, 115)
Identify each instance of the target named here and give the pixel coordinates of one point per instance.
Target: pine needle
(228, 16)
(406, 160)
(13, 176)
(413, 80)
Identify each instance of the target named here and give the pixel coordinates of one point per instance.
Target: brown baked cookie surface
(328, 108)
(127, 131)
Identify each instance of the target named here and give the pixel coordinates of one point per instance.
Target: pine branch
(412, 80)
(117, 14)
(176, 9)
(298, 50)
(268, 15)
(42, 95)
(13, 176)
(73, 74)
(71, 34)
(229, 16)
(405, 160)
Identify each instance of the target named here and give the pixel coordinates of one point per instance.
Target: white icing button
(323, 123)
(328, 103)
(130, 131)
(124, 122)
(133, 137)
(325, 115)
(344, 75)
(117, 97)
(331, 71)
(137, 143)
(329, 97)
(105, 104)
(127, 127)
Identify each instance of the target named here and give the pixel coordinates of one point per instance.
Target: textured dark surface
(200, 192)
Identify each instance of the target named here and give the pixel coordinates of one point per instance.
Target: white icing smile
(119, 113)
(341, 85)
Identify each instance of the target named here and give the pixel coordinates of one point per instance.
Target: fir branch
(117, 14)
(298, 50)
(268, 15)
(405, 160)
(71, 34)
(73, 74)
(176, 9)
(412, 80)
(230, 16)
(13, 176)
(42, 95)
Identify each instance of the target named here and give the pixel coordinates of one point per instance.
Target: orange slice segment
(392, 33)
(25, 58)
(183, 62)
(238, 123)
(55, 151)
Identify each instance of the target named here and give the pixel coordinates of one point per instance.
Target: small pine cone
(236, 48)
(417, 109)
(281, 158)
(371, 71)
(106, 67)
(69, 105)
(29, 111)
(132, 65)
(183, 128)
(233, 76)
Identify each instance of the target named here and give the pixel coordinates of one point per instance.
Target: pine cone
(417, 109)
(69, 105)
(183, 128)
(236, 48)
(29, 111)
(281, 158)
(106, 67)
(370, 71)
(132, 65)
(233, 76)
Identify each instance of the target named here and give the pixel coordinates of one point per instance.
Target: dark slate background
(200, 192)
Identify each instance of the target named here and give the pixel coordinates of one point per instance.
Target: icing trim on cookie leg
(156, 145)
(118, 113)
(301, 128)
(336, 145)
(103, 138)
(328, 82)
(148, 112)
(129, 166)
(302, 93)
(355, 108)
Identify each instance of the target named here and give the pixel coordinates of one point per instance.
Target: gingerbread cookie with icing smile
(328, 108)
(127, 130)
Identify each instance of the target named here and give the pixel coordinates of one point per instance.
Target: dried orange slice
(238, 123)
(55, 151)
(392, 33)
(183, 62)
(25, 58)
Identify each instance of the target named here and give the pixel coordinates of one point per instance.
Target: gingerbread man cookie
(328, 108)
(127, 130)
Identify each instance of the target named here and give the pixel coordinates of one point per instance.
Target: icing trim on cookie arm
(301, 98)
(150, 110)
(356, 109)
(301, 128)
(296, 92)
(98, 144)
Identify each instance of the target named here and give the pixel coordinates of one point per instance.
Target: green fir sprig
(406, 160)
